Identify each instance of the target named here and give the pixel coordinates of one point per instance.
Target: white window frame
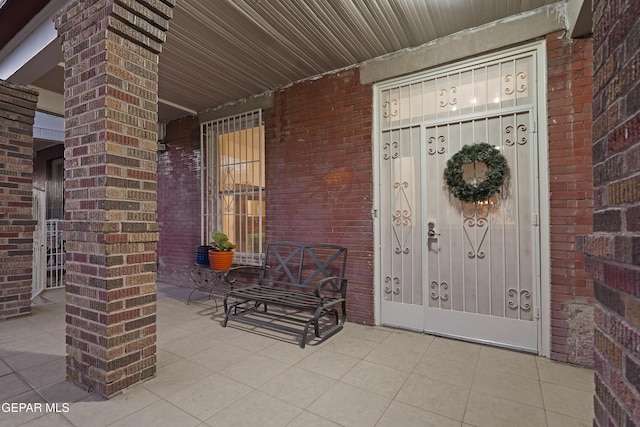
(218, 215)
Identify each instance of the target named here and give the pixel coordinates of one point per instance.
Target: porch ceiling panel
(225, 50)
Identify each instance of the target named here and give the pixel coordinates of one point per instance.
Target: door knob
(431, 229)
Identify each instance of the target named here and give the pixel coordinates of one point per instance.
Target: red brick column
(17, 112)
(613, 250)
(111, 53)
(570, 86)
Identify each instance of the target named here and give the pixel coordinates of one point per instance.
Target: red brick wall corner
(569, 98)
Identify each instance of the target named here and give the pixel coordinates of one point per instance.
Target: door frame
(544, 251)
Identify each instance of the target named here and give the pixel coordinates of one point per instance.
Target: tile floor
(363, 376)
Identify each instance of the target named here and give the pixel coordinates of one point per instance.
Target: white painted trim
(468, 43)
(544, 205)
(376, 208)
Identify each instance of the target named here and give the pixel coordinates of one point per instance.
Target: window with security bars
(233, 183)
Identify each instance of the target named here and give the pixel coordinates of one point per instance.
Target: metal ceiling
(222, 51)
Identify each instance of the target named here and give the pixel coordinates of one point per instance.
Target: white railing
(55, 254)
(39, 243)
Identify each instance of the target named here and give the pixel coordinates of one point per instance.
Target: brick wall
(571, 189)
(179, 200)
(319, 174)
(613, 250)
(111, 80)
(17, 112)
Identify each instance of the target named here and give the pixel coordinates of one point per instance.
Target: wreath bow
(497, 171)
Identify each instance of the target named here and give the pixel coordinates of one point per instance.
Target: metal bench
(307, 278)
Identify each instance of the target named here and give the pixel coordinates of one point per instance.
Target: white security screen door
(475, 276)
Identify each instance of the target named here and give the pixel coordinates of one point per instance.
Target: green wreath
(497, 171)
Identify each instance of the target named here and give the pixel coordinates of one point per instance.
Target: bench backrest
(303, 265)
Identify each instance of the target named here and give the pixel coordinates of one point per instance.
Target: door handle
(431, 226)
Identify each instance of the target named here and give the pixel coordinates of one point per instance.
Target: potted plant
(221, 252)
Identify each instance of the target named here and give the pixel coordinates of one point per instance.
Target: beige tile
(559, 420)
(566, 375)
(409, 341)
(168, 333)
(176, 376)
(255, 370)
(568, 401)
(96, 412)
(434, 396)
(375, 334)
(63, 392)
(159, 414)
(308, 419)
(287, 352)
(4, 368)
(396, 358)
(297, 386)
(351, 346)
(11, 418)
(508, 386)
(51, 372)
(446, 370)
(350, 406)
(256, 409)
(48, 420)
(400, 414)
(189, 345)
(484, 410)
(251, 342)
(459, 351)
(509, 361)
(24, 360)
(165, 358)
(220, 356)
(328, 363)
(11, 385)
(376, 378)
(209, 396)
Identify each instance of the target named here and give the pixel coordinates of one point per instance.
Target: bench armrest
(329, 284)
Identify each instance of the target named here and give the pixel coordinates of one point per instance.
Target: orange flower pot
(220, 260)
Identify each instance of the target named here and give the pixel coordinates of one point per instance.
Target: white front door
(476, 277)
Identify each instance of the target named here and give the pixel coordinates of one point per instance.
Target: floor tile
(209, 396)
(4, 369)
(434, 396)
(459, 351)
(400, 414)
(397, 358)
(369, 333)
(63, 392)
(48, 420)
(350, 406)
(512, 362)
(24, 360)
(51, 372)
(508, 386)
(559, 420)
(308, 419)
(298, 386)
(220, 356)
(328, 363)
(484, 410)
(189, 345)
(410, 341)
(96, 412)
(568, 401)
(159, 414)
(256, 409)
(176, 376)
(286, 352)
(14, 418)
(351, 346)
(11, 385)
(566, 375)
(376, 378)
(255, 370)
(446, 370)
